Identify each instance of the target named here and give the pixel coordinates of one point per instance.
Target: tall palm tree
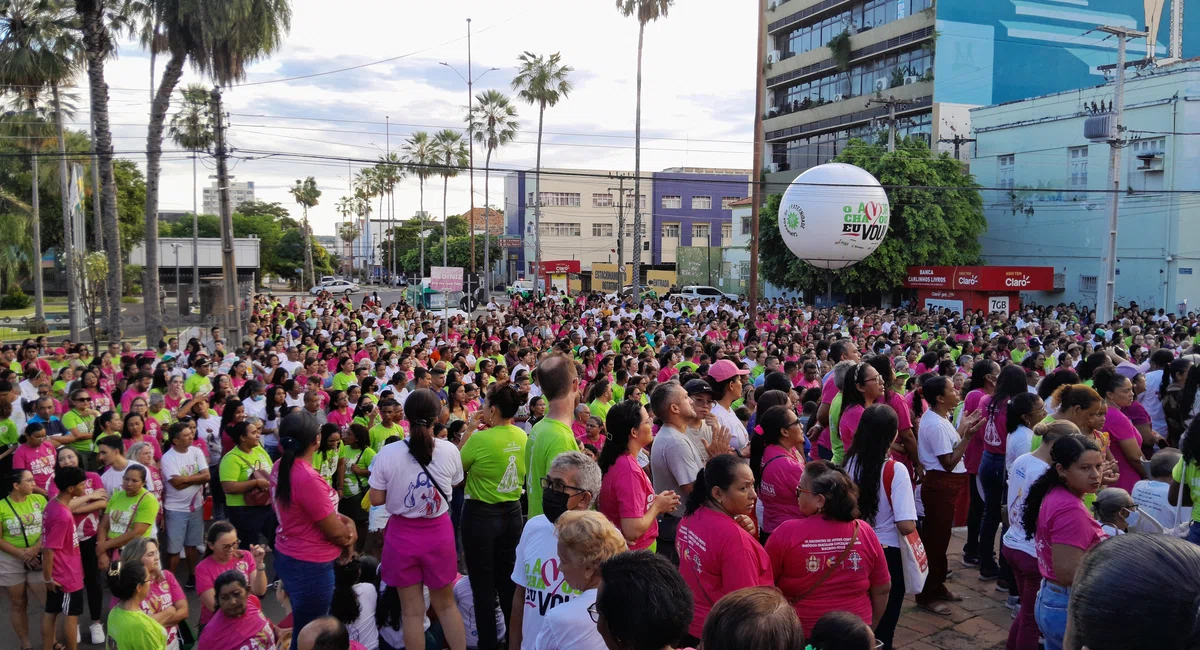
(389, 171)
(646, 11)
(450, 153)
(494, 123)
(39, 52)
(417, 154)
(15, 247)
(192, 129)
(348, 231)
(542, 82)
(367, 186)
(220, 39)
(345, 207)
(307, 195)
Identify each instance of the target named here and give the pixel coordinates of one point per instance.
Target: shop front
(990, 289)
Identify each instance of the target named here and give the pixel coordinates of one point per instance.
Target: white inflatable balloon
(833, 216)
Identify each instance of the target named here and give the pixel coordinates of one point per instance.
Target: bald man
(325, 633)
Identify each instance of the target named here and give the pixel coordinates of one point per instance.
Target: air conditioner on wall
(773, 56)
(911, 80)
(772, 167)
(881, 85)
(838, 97)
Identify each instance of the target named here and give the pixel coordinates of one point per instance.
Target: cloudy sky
(698, 93)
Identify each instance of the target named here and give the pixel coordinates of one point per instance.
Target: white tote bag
(912, 549)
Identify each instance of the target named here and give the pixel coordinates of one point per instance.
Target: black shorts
(70, 604)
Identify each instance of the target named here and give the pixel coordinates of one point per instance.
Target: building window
(1004, 177)
(602, 230)
(726, 232)
(745, 225)
(701, 202)
(1149, 146)
(1088, 283)
(629, 201)
(555, 229)
(602, 200)
(559, 199)
(629, 228)
(672, 202)
(727, 202)
(645, 244)
(670, 230)
(1078, 157)
(700, 232)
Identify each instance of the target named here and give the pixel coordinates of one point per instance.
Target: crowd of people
(575, 472)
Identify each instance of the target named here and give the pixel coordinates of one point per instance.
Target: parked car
(336, 286)
(626, 292)
(700, 292)
(523, 288)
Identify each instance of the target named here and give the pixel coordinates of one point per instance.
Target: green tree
(494, 123)
(936, 220)
(348, 232)
(307, 195)
(131, 203)
(16, 252)
(542, 82)
(274, 209)
(646, 11)
(451, 154)
(192, 128)
(417, 153)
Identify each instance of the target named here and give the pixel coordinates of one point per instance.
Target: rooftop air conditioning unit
(881, 85)
(838, 97)
(772, 6)
(772, 167)
(911, 80)
(1101, 127)
(773, 56)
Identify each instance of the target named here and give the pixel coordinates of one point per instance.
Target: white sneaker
(78, 636)
(97, 632)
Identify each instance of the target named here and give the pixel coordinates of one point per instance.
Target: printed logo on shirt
(422, 491)
(539, 575)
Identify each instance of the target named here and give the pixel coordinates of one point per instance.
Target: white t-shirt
(536, 569)
(1020, 442)
(466, 609)
(1025, 471)
(255, 408)
(209, 430)
(905, 506)
(570, 626)
(188, 463)
(738, 437)
(112, 478)
(409, 492)
(1151, 498)
(938, 437)
(363, 629)
(1152, 403)
(290, 366)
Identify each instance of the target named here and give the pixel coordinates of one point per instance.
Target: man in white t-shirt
(574, 485)
(1151, 494)
(185, 472)
(292, 363)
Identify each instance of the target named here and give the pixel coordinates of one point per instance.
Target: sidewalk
(979, 622)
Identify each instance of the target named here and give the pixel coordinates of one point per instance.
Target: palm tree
(418, 155)
(38, 51)
(14, 238)
(192, 129)
(543, 82)
(220, 39)
(494, 123)
(646, 11)
(348, 231)
(389, 171)
(345, 207)
(367, 186)
(450, 152)
(307, 195)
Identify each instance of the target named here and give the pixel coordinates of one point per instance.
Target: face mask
(554, 504)
(1133, 518)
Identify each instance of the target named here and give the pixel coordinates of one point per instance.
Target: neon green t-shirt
(123, 511)
(379, 433)
(1184, 474)
(835, 435)
(135, 629)
(353, 485)
(22, 520)
(549, 439)
(494, 461)
(342, 381)
(600, 409)
(8, 432)
(76, 423)
(238, 465)
(192, 384)
(618, 392)
(686, 365)
(326, 464)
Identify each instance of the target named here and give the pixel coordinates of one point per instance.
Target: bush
(132, 280)
(15, 299)
(131, 300)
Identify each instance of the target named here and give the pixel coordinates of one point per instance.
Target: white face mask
(1133, 518)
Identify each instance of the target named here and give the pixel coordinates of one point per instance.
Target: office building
(692, 207)
(239, 193)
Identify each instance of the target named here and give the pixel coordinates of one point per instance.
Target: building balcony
(864, 44)
(834, 115)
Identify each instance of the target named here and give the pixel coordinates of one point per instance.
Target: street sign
(508, 242)
(446, 278)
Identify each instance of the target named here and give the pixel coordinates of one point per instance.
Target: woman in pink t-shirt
(1125, 439)
(166, 603)
(1063, 529)
(37, 456)
(718, 549)
(778, 455)
(240, 622)
(626, 495)
(340, 412)
(830, 560)
(981, 384)
(311, 533)
(222, 554)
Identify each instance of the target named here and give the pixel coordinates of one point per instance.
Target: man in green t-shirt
(387, 426)
(193, 384)
(552, 435)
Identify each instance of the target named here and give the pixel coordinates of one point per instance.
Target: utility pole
(892, 103)
(756, 180)
(620, 190)
(228, 266)
(391, 201)
(1109, 264)
(471, 147)
(958, 140)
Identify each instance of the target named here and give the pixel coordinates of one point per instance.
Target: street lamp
(176, 246)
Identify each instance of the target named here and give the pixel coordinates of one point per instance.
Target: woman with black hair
(1094, 362)
(718, 551)
(885, 500)
(273, 405)
(1124, 438)
(20, 548)
(905, 445)
(778, 453)
(239, 621)
(413, 481)
(129, 628)
(355, 594)
(243, 474)
(494, 462)
(991, 467)
(982, 383)
(830, 560)
(1062, 528)
(626, 494)
(1170, 393)
(1052, 381)
(311, 533)
(862, 386)
(642, 603)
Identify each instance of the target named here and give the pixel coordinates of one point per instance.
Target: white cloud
(698, 91)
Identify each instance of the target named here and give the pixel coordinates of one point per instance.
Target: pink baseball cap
(724, 369)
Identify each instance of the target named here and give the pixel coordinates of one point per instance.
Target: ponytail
(124, 578)
(297, 433)
(422, 408)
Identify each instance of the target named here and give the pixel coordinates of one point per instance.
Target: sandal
(60, 646)
(941, 609)
(952, 597)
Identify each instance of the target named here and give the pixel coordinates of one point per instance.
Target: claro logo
(1022, 281)
(968, 279)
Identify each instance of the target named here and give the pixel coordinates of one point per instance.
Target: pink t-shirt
(312, 500)
(89, 523)
(716, 557)
(163, 594)
(800, 551)
(1119, 427)
(626, 493)
(973, 456)
(994, 431)
(342, 420)
(131, 395)
(848, 424)
(781, 472)
(58, 534)
(828, 390)
(251, 631)
(208, 569)
(38, 460)
(1063, 519)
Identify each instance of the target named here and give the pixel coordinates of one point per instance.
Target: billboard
(446, 278)
(981, 278)
(660, 281)
(607, 279)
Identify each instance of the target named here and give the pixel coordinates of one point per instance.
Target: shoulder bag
(912, 549)
(36, 563)
(256, 496)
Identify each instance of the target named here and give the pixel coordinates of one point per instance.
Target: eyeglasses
(792, 423)
(82, 399)
(800, 490)
(556, 485)
(594, 613)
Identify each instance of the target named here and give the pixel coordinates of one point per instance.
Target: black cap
(698, 386)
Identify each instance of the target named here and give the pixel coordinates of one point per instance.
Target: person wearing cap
(726, 380)
(200, 378)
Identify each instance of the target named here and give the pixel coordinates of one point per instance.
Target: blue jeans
(1193, 535)
(309, 585)
(991, 477)
(1051, 614)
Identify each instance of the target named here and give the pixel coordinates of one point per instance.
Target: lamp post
(178, 296)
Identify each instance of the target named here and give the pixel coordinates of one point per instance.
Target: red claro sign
(981, 278)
